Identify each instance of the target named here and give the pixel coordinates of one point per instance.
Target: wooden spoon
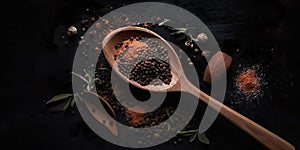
(180, 83)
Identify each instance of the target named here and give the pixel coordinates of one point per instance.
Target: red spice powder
(135, 118)
(134, 46)
(247, 81)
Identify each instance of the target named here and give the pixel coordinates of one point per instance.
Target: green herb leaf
(202, 138)
(193, 137)
(67, 105)
(73, 102)
(59, 97)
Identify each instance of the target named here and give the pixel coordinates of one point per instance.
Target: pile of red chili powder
(247, 81)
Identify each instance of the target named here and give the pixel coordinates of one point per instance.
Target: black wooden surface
(38, 68)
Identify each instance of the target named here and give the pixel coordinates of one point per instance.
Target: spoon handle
(264, 136)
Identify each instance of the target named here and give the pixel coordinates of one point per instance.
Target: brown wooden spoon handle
(264, 136)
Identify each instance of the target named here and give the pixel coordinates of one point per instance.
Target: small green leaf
(73, 102)
(59, 97)
(193, 137)
(202, 138)
(67, 105)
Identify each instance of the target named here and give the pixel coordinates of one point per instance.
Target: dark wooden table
(42, 65)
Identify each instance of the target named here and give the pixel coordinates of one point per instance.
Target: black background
(35, 69)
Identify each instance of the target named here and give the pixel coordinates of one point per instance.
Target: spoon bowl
(120, 34)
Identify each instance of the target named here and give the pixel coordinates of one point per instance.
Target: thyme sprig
(67, 100)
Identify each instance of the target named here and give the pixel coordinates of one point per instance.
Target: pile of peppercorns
(150, 69)
(146, 63)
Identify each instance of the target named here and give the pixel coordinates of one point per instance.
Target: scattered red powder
(135, 118)
(247, 81)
